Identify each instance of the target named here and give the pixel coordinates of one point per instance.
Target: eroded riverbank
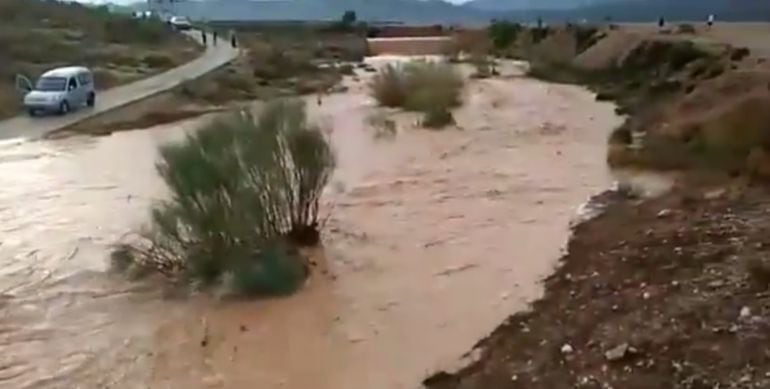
(434, 238)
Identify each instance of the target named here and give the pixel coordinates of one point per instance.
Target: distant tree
(348, 18)
(503, 33)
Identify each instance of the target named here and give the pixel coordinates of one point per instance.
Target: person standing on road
(232, 39)
(710, 21)
(661, 22)
(214, 37)
(203, 37)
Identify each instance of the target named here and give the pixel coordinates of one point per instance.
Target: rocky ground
(666, 293)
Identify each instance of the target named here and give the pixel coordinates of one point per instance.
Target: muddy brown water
(434, 238)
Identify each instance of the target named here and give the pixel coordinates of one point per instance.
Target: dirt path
(26, 127)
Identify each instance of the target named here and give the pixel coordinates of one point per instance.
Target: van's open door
(23, 84)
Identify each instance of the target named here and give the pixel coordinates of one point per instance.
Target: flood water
(434, 237)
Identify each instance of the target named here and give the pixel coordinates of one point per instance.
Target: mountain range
(472, 12)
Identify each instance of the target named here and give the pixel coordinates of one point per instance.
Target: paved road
(23, 126)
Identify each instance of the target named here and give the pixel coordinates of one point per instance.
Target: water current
(433, 238)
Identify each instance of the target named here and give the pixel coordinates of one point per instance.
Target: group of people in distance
(215, 36)
(709, 21)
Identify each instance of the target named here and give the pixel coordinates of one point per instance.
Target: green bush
(503, 34)
(244, 190)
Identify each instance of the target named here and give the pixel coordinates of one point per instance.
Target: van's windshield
(50, 84)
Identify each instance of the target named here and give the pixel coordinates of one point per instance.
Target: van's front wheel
(64, 107)
(91, 101)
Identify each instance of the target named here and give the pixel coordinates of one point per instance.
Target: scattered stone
(338, 89)
(617, 353)
(567, 349)
(665, 213)
(714, 194)
(716, 284)
(745, 312)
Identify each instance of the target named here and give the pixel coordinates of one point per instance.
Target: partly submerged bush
(389, 87)
(430, 87)
(243, 193)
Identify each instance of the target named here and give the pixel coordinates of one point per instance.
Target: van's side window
(72, 84)
(84, 78)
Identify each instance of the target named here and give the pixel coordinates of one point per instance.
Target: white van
(59, 90)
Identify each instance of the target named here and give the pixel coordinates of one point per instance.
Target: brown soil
(651, 295)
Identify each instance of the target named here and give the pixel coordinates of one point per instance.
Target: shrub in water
(429, 87)
(389, 86)
(240, 188)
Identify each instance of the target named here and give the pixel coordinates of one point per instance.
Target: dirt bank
(668, 292)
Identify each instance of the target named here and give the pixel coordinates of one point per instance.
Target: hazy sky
(134, 1)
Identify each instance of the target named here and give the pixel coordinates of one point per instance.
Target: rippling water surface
(434, 238)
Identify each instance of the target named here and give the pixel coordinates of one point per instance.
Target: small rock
(733, 328)
(745, 312)
(646, 295)
(664, 213)
(616, 353)
(714, 194)
(567, 349)
(716, 284)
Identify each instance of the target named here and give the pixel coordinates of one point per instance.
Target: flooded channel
(433, 238)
